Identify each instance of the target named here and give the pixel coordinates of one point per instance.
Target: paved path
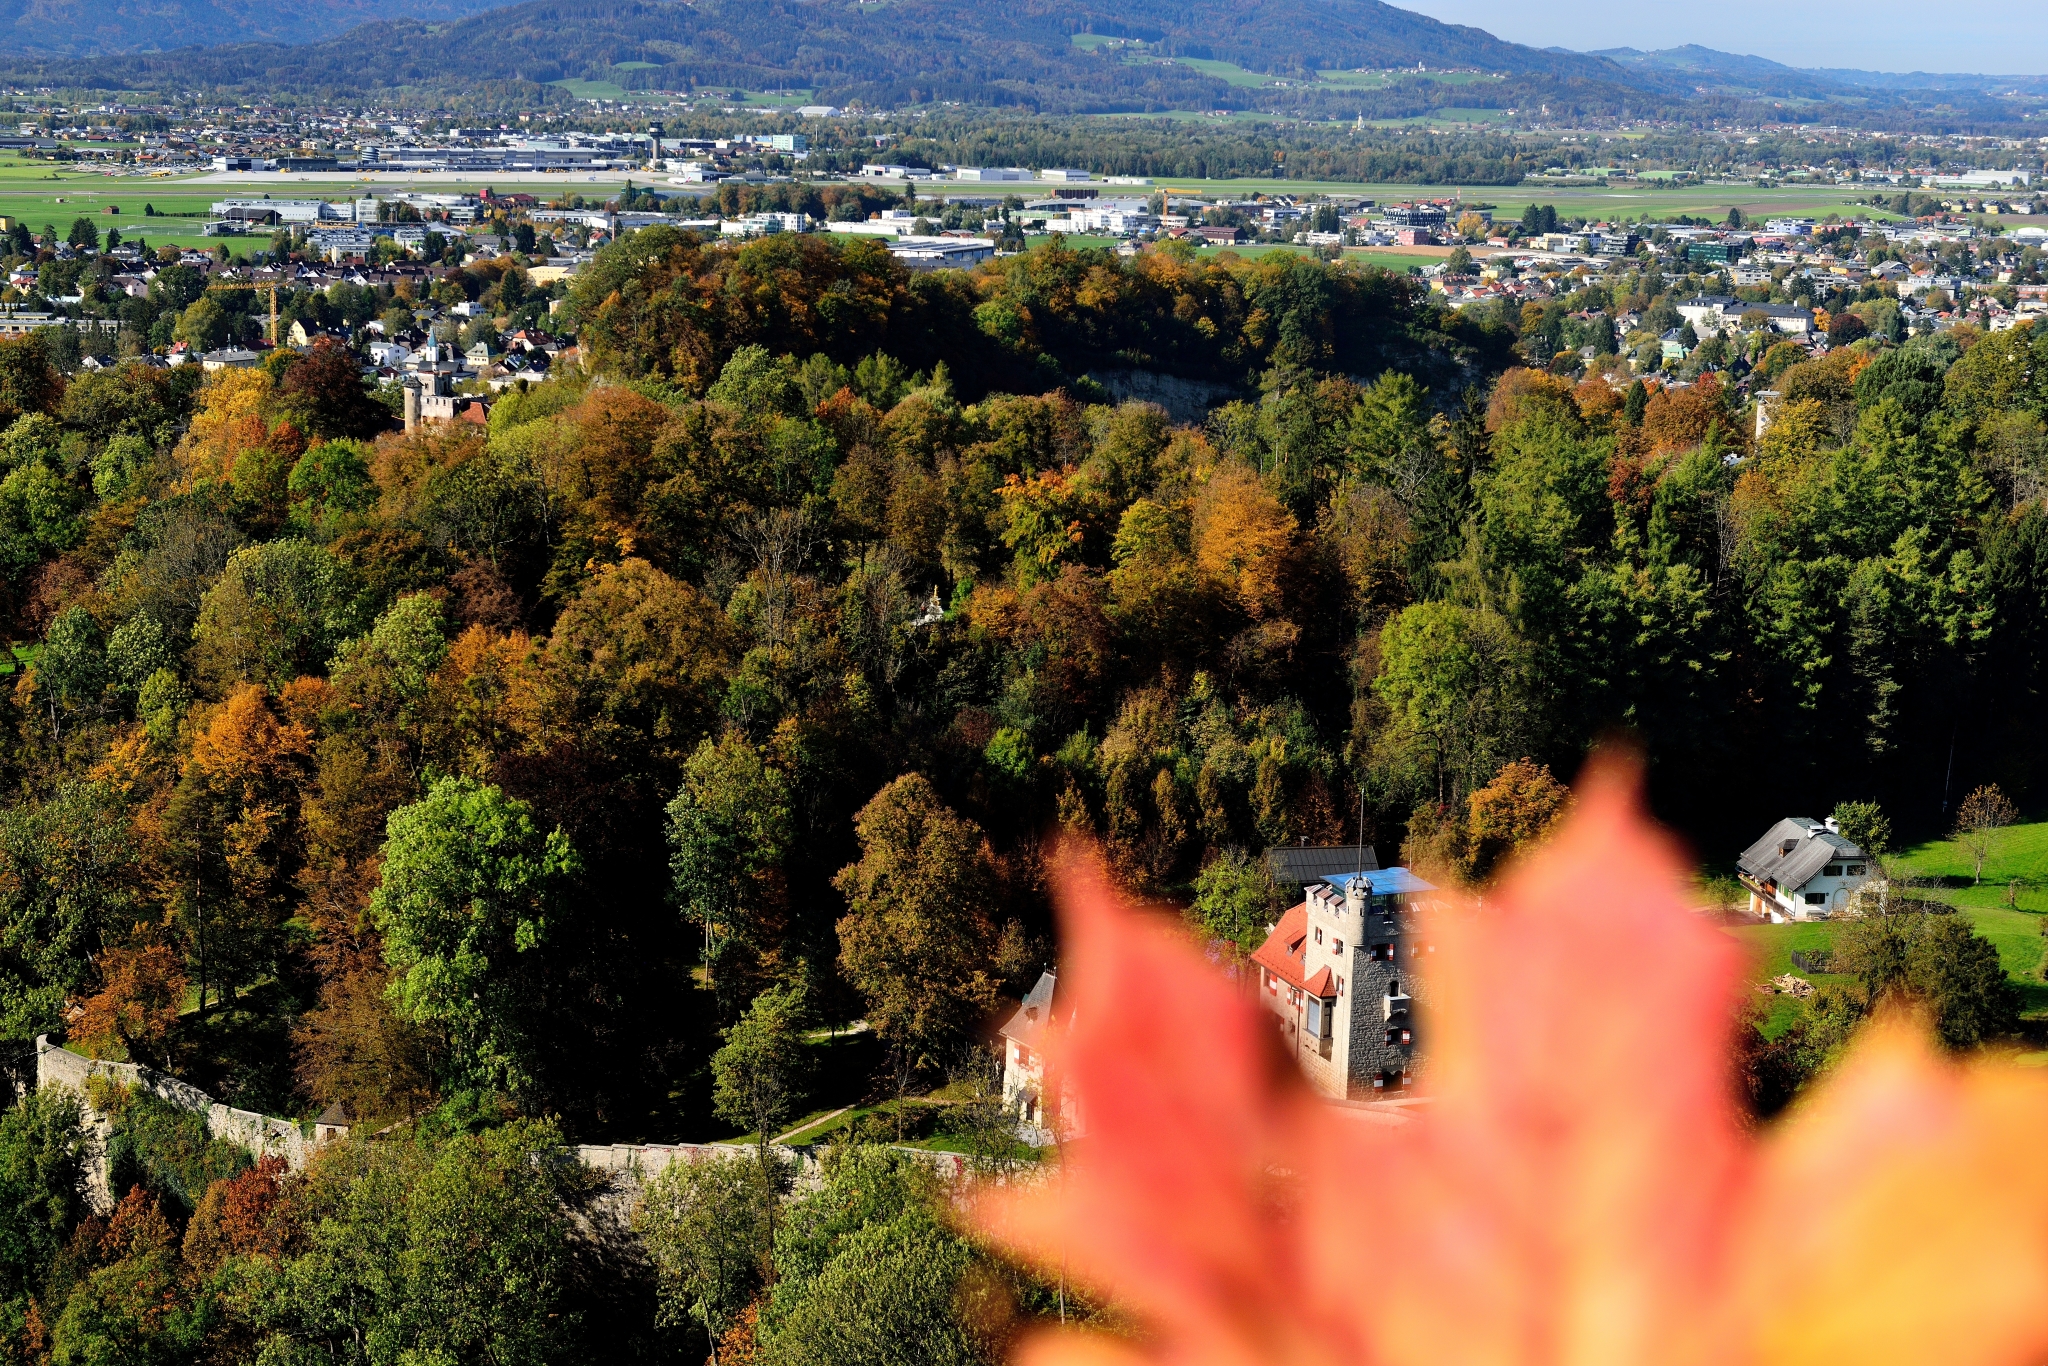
(811, 1124)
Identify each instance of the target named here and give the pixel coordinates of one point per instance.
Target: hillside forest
(489, 782)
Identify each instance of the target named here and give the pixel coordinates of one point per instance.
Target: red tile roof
(1322, 984)
(1283, 953)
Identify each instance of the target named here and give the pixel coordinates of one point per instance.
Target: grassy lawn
(1944, 870)
(50, 194)
(2018, 851)
(2018, 855)
(591, 90)
(1438, 117)
(1228, 72)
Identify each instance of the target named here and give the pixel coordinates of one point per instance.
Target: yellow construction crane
(257, 284)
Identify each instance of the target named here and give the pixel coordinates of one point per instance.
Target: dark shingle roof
(1794, 851)
(1299, 865)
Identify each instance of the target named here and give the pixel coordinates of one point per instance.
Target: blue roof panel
(1383, 881)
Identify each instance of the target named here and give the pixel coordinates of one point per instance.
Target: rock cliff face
(1185, 400)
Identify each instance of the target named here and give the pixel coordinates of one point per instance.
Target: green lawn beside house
(1942, 870)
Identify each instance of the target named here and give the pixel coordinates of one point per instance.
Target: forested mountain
(1132, 58)
(77, 28)
(1761, 75)
(912, 51)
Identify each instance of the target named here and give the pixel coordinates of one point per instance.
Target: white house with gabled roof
(1803, 869)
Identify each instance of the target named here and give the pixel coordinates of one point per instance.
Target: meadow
(2008, 906)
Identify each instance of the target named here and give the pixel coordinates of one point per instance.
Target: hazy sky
(1877, 35)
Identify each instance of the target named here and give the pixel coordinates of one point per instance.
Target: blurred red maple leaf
(1582, 1188)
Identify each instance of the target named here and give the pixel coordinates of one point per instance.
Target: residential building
(1415, 216)
(338, 244)
(763, 224)
(1339, 975)
(1710, 314)
(1024, 1038)
(1803, 869)
(1119, 216)
(1707, 312)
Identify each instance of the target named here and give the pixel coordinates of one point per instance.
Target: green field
(1590, 201)
(1234, 75)
(1201, 116)
(43, 194)
(1441, 117)
(1943, 869)
(1228, 72)
(591, 90)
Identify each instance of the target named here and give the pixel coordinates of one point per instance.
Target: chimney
(1834, 826)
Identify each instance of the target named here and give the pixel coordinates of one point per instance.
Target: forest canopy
(489, 779)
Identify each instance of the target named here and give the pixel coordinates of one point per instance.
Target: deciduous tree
(1979, 818)
(471, 889)
(919, 934)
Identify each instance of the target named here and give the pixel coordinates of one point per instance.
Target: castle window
(1339, 946)
(1319, 934)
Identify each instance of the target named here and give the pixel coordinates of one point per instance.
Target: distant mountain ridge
(1020, 55)
(87, 28)
(1777, 77)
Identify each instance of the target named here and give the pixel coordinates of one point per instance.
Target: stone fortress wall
(261, 1136)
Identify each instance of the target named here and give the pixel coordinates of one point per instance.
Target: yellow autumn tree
(229, 419)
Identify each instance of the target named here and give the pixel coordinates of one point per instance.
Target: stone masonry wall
(259, 1135)
(630, 1164)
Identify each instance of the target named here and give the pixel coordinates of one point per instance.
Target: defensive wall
(629, 1164)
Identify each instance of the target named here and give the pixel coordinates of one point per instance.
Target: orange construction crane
(270, 285)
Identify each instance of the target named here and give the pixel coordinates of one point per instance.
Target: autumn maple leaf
(1582, 1188)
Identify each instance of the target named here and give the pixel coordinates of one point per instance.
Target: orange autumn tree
(142, 989)
(1583, 1188)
